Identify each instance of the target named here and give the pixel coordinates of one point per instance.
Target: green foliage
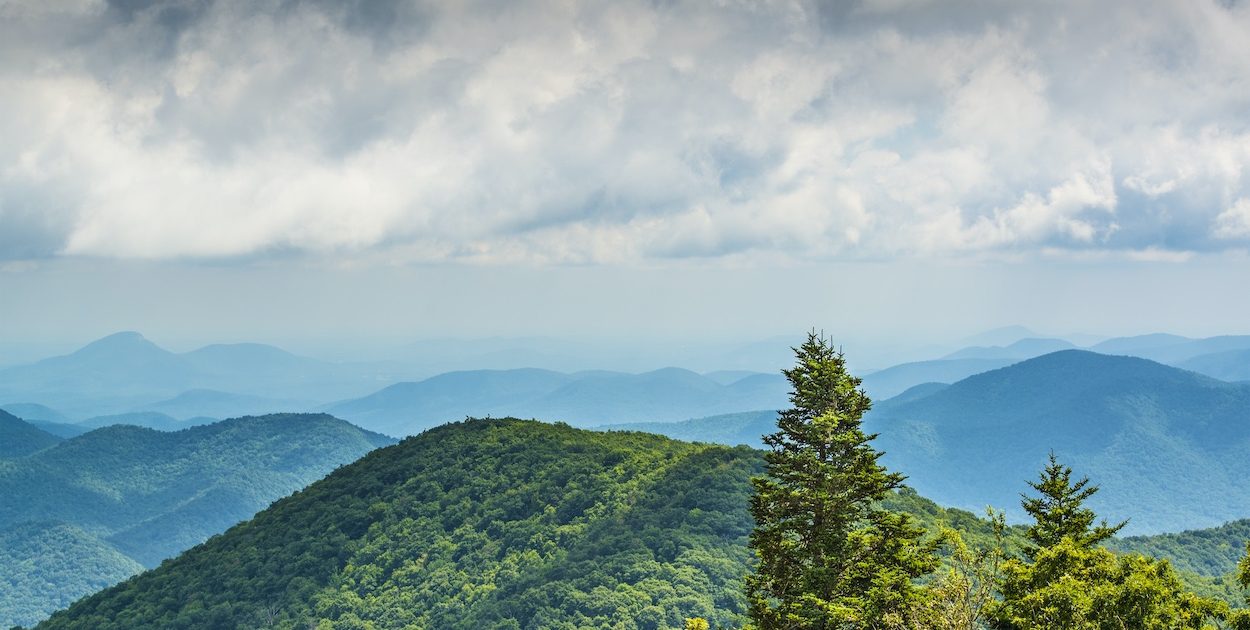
(482, 524)
(1067, 582)
(1059, 512)
(46, 566)
(134, 496)
(829, 555)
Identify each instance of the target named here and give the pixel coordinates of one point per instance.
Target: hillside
(468, 525)
(46, 566)
(1145, 430)
(149, 494)
(18, 437)
(732, 429)
(582, 398)
(483, 524)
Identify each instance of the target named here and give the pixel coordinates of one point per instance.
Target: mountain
(19, 438)
(895, 380)
(149, 419)
(213, 403)
(582, 398)
(466, 526)
(149, 494)
(1212, 552)
(481, 524)
(1146, 431)
(1230, 365)
(126, 372)
(484, 524)
(747, 428)
(33, 412)
(1004, 336)
(1018, 350)
(46, 566)
(1172, 349)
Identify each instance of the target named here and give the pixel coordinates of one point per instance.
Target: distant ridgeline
(1143, 430)
(83, 513)
(484, 524)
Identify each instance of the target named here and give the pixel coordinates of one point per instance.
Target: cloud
(624, 132)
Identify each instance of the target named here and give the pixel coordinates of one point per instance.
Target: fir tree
(829, 556)
(1059, 511)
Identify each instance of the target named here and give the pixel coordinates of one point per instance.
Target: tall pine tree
(1058, 511)
(829, 556)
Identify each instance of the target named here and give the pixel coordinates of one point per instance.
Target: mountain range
(581, 399)
(125, 372)
(487, 524)
(85, 512)
(1146, 432)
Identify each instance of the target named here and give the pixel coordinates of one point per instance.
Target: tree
(829, 556)
(1069, 582)
(1059, 511)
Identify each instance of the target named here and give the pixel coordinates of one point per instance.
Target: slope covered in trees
(1145, 430)
(484, 524)
(18, 437)
(145, 495)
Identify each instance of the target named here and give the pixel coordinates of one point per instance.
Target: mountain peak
(128, 342)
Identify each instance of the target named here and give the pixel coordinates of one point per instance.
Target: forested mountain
(466, 526)
(484, 524)
(18, 438)
(1147, 430)
(148, 494)
(149, 419)
(46, 566)
(583, 398)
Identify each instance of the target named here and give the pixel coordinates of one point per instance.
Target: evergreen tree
(829, 556)
(1059, 511)
(1069, 582)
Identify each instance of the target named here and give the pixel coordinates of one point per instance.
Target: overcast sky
(885, 169)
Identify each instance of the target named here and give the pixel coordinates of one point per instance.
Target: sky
(334, 174)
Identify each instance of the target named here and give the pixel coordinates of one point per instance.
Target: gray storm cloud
(597, 132)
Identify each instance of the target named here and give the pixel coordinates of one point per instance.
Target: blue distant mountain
(582, 399)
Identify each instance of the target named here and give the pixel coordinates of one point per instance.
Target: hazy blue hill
(150, 494)
(46, 566)
(19, 438)
(1172, 349)
(727, 377)
(913, 393)
(1018, 350)
(1230, 365)
(34, 412)
(406, 408)
(583, 398)
(895, 380)
(732, 429)
(125, 372)
(1146, 431)
(213, 403)
(149, 419)
(1139, 344)
(665, 395)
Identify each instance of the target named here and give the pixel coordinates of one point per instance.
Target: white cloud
(576, 133)
(1234, 223)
